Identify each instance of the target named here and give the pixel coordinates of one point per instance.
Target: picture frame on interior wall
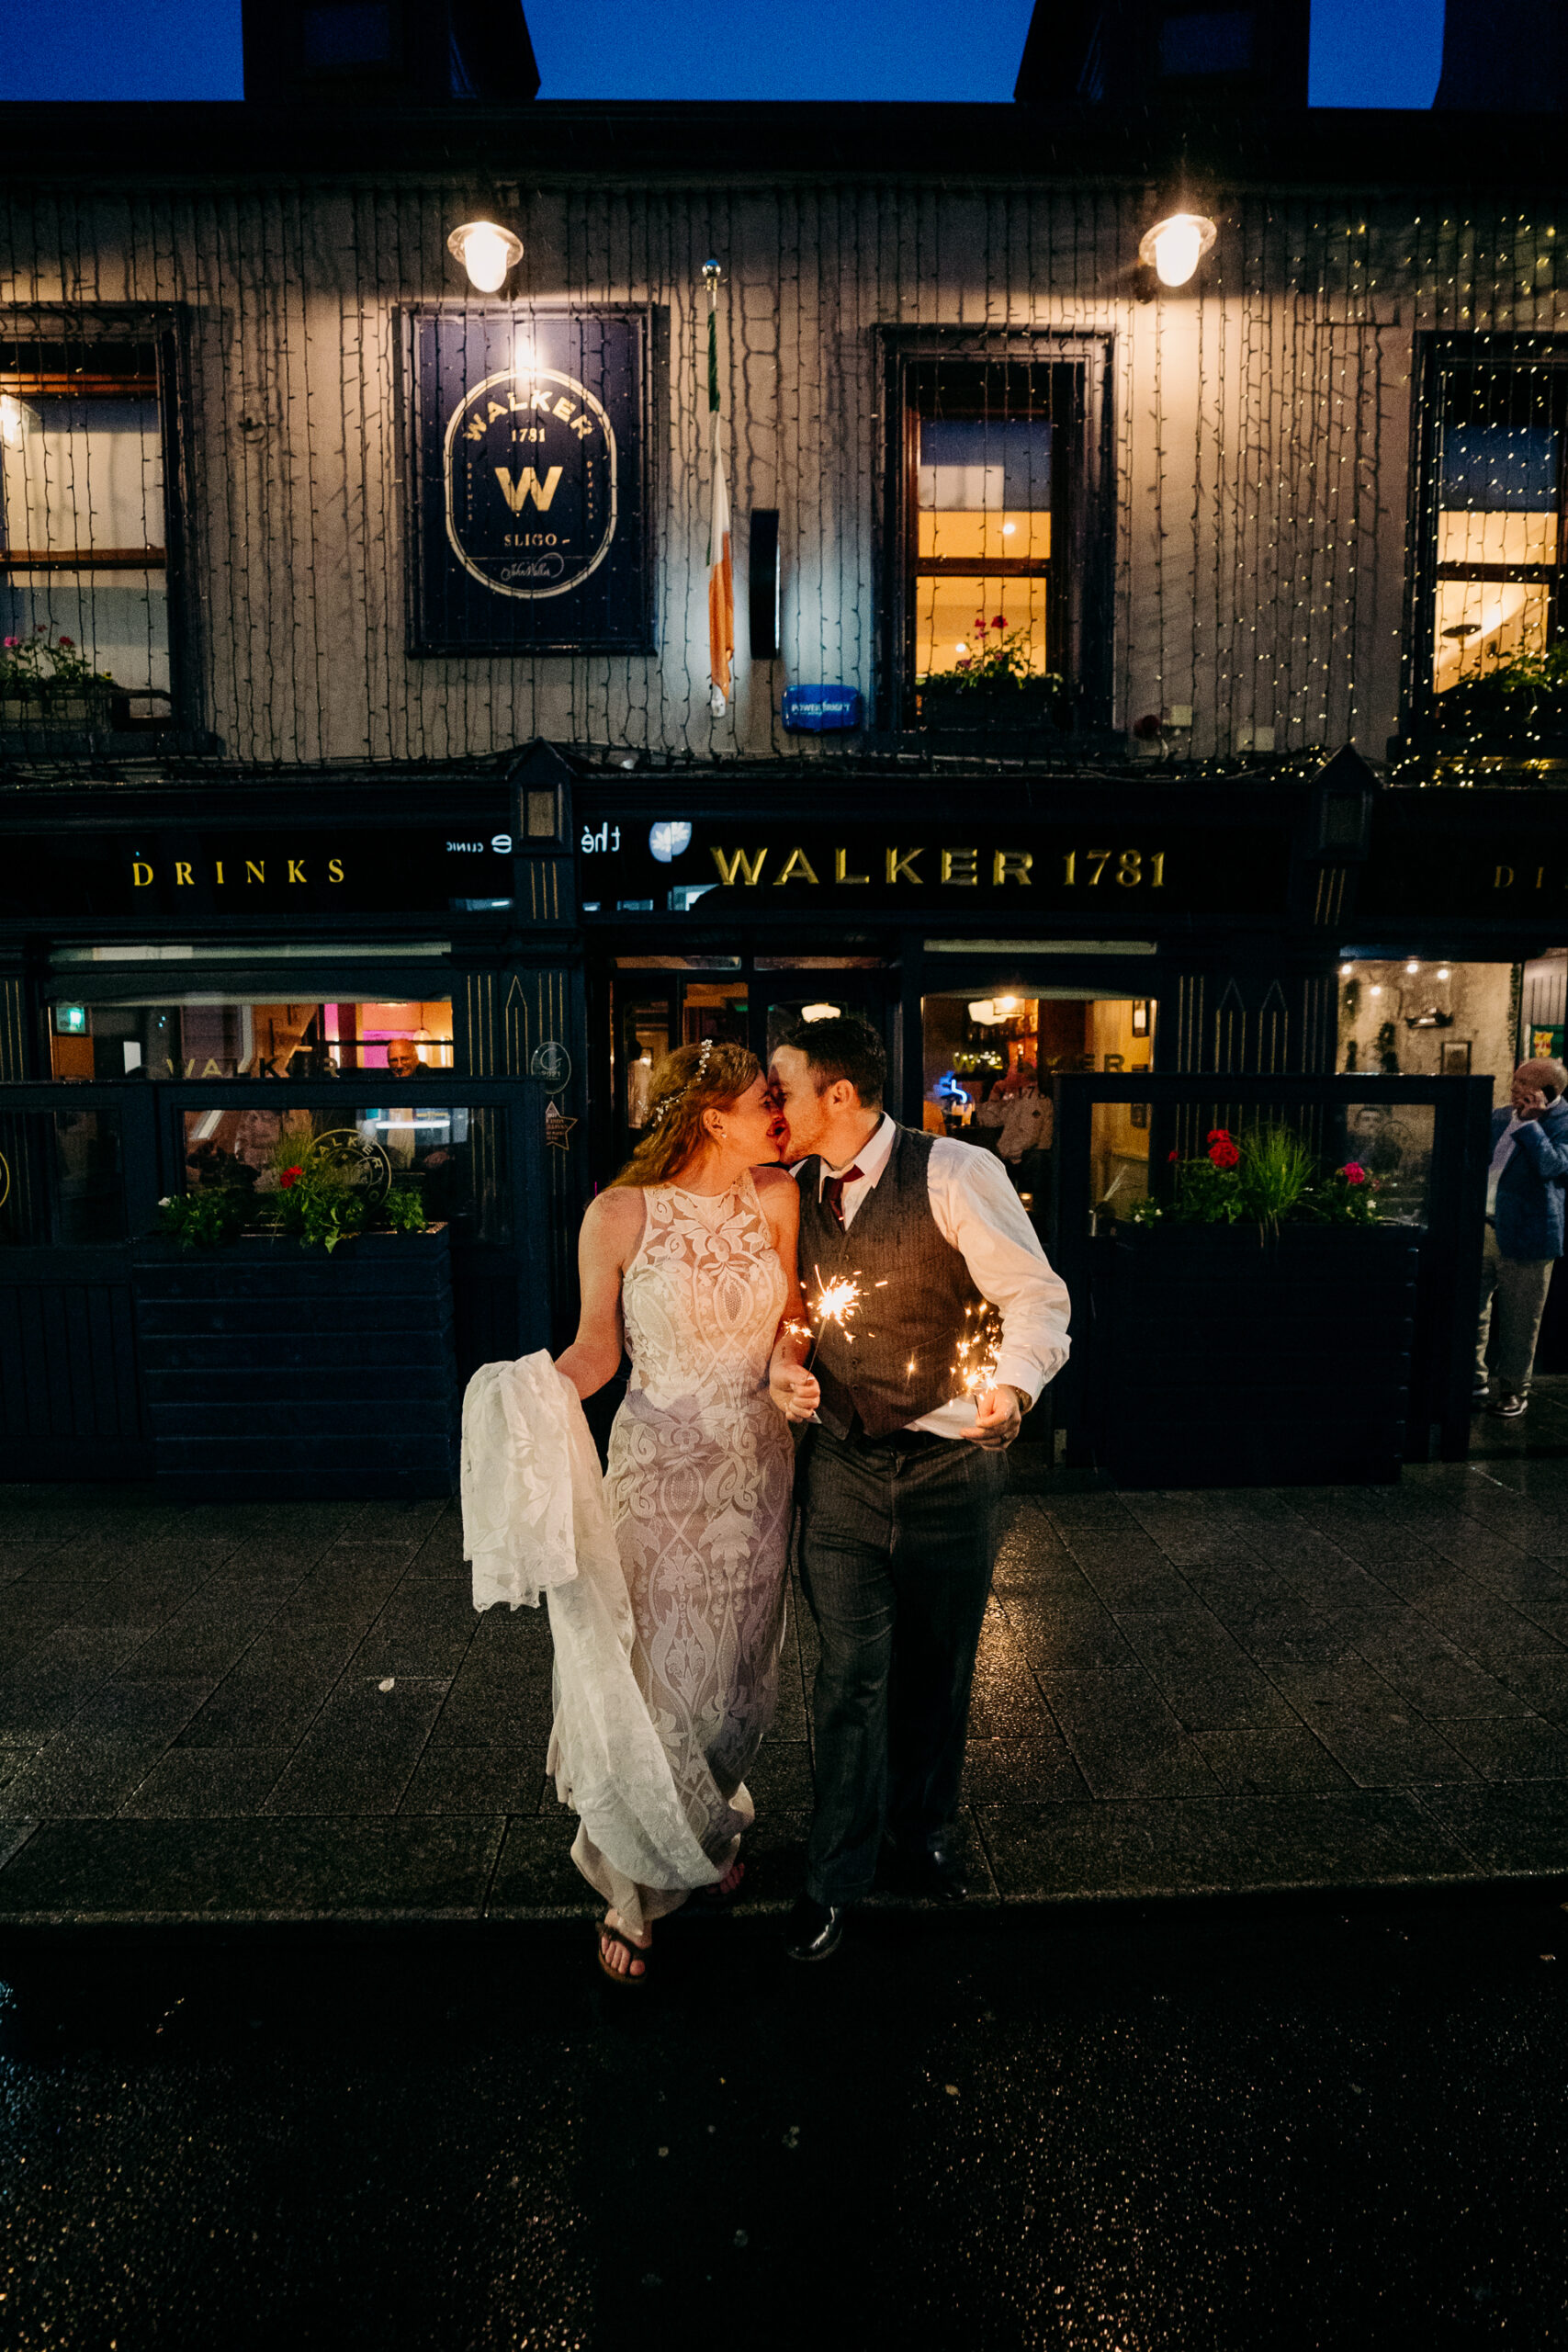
(1454, 1060)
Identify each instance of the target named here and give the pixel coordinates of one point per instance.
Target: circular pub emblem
(357, 1158)
(530, 467)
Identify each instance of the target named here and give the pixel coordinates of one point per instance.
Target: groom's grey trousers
(897, 1541)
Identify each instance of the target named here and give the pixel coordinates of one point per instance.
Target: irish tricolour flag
(721, 576)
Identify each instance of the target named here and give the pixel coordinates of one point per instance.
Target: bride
(688, 1260)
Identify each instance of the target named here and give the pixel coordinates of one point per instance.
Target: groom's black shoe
(815, 1929)
(934, 1873)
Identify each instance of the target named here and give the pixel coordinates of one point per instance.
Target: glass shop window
(62, 1180)
(84, 585)
(454, 1158)
(214, 1036)
(989, 450)
(1495, 499)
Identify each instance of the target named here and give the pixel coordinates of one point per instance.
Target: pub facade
(1128, 669)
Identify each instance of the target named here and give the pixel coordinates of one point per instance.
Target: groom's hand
(795, 1391)
(998, 1419)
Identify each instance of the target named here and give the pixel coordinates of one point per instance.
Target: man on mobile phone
(1524, 1233)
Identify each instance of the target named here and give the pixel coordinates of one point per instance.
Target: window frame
(1079, 631)
(103, 332)
(1435, 354)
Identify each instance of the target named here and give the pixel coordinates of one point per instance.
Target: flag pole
(721, 575)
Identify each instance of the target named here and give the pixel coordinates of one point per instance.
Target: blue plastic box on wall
(813, 710)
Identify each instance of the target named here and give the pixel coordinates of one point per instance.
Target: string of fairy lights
(1256, 530)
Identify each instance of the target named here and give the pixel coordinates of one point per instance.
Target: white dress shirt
(978, 1213)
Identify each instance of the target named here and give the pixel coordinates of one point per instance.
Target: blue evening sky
(1364, 52)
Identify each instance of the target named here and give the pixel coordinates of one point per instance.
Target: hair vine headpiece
(695, 1079)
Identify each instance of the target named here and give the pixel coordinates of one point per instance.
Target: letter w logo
(749, 868)
(528, 486)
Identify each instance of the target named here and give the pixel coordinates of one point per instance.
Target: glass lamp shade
(1174, 246)
(487, 252)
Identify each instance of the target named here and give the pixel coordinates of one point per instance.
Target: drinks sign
(527, 478)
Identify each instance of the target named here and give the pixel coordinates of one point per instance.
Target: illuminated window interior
(217, 1037)
(82, 561)
(987, 456)
(1498, 519)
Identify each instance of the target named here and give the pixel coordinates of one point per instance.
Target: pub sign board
(529, 482)
(633, 861)
(202, 876)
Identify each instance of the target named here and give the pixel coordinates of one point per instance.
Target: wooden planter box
(1228, 1360)
(1034, 706)
(273, 1370)
(73, 713)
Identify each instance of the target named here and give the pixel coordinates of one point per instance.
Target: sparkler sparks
(835, 1302)
(976, 1369)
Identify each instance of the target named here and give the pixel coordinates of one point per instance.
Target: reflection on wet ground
(1156, 2126)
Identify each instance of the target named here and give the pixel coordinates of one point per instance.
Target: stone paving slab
(261, 1713)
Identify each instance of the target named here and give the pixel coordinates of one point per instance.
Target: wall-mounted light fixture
(1174, 246)
(487, 252)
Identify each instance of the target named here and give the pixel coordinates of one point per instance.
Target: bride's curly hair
(694, 1079)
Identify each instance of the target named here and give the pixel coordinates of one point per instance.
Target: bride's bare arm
(612, 1227)
(793, 1389)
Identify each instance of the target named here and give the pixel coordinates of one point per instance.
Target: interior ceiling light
(1174, 246)
(1444, 973)
(1413, 966)
(983, 1011)
(487, 252)
(1346, 970)
(819, 1013)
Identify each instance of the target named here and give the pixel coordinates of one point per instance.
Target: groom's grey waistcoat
(896, 1361)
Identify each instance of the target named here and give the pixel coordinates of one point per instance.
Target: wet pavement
(290, 1711)
(1165, 2126)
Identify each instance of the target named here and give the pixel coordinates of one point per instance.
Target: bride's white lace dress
(701, 1471)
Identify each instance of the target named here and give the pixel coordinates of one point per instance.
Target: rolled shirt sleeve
(978, 1213)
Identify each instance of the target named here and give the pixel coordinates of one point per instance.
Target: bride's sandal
(603, 1934)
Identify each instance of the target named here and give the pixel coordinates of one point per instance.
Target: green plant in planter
(203, 1220)
(995, 672)
(44, 668)
(402, 1211)
(1522, 697)
(1267, 1177)
(1348, 1197)
(318, 1204)
(1274, 1170)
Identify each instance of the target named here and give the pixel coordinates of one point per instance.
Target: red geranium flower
(1224, 1153)
(980, 624)
(1353, 1172)
(1218, 1135)
(289, 1178)
(998, 620)
(1171, 1155)
(67, 641)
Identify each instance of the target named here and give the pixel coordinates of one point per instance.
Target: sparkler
(835, 1302)
(975, 1370)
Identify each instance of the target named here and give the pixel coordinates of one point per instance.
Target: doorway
(646, 1005)
(987, 1063)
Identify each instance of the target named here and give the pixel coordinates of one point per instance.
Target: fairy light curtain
(1261, 431)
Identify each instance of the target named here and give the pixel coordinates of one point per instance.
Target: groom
(901, 1479)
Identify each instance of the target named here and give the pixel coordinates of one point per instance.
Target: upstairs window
(1491, 506)
(84, 538)
(994, 550)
